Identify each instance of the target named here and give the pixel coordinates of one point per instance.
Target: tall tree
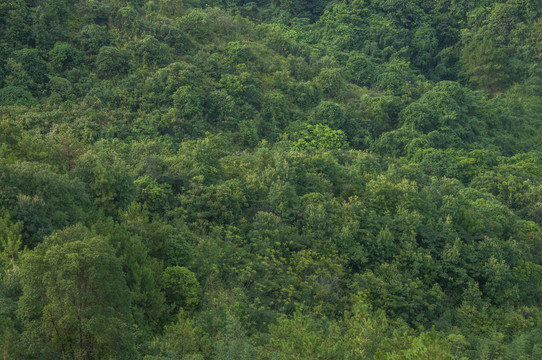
(75, 301)
(485, 64)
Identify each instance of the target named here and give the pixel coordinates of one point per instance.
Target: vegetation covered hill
(345, 179)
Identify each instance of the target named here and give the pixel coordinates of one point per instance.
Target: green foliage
(303, 337)
(182, 338)
(33, 67)
(106, 181)
(14, 95)
(151, 52)
(330, 82)
(245, 167)
(187, 103)
(156, 196)
(362, 69)
(110, 61)
(42, 199)
(141, 272)
(11, 244)
(92, 38)
(75, 302)
(64, 57)
(275, 114)
(181, 287)
(126, 19)
(485, 65)
(329, 114)
(320, 137)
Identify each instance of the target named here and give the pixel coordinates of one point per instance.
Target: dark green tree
(485, 64)
(75, 303)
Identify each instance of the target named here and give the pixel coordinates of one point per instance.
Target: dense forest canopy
(329, 179)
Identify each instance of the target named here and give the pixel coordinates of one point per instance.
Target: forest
(271, 179)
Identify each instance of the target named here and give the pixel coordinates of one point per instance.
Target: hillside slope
(341, 179)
